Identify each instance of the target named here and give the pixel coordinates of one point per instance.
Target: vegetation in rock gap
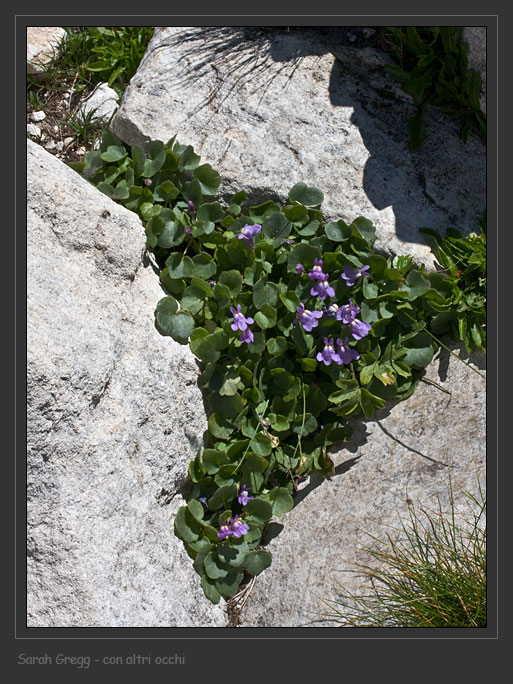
(433, 70)
(433, 575)
(87, 56)
(297, 324)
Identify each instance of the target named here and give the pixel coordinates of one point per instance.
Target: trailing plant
(460, 295)
(297, 324)
(434, 71)
(434, 575)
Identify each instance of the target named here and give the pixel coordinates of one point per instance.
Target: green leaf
(156, 158)
(257, 561)
(276, 345)
(420, 351)
(196, 509)
(281, 500)
(291, 300)
(214, 567)
(416, 285)
(208, 178)
(114, 153)
(210, 589)
(362, 227)
(261, 444)
(166, 309)
(338, 231)
(259, 510)
(179, 266)
(266, 317)
(212, 460)
(308, 196)
(228, 586)
(233, 554)
(276, 228)
(222, 496)
(264, 293)
(186, 528)
(203, 265)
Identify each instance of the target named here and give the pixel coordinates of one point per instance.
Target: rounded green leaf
(276, 228)
(228, 586)
(281, 500)
(308, 196)
(266, 317)
(221, 496)
(210, 590)
(166, 309)
(208, 179)
(233, 554)
(259, 509)
(214, 567)
(338, 231)
(257, 561)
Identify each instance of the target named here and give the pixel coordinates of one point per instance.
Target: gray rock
(114, 416)
(389, 460)
(269, 109)
(38, 116)
(102, 102)
(42, 43)
(33, 130)
(475, 38)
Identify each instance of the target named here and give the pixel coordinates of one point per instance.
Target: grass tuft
(433, 576)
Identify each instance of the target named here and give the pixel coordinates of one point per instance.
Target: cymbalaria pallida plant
(297, 324)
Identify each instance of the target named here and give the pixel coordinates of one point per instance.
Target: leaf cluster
(461, 286)
(273, 408)
(432, 66)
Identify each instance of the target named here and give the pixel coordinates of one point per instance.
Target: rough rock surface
(389, 460)
(41, 44)
(114, 417)
(101, 103)
(279, 107)
(475, 37)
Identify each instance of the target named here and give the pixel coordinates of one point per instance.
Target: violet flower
(300, 269)
(244, 497)
(332, 310)
(224, 531)
(240, 322)
(346, 353)
(329, 353)
(350, 274)
(348, 312)
(203, 500)
(359, 329)
(238, 527)
(322, 289)
(308, 319)
(316, 272)
(246, 335)
(249, 232)
(188, 230)
(192, 208)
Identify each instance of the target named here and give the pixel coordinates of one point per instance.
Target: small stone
(59, 146)
(81, 151)
(51, 145)
(68, 141)
(56, 128)
(33, 131)
(38, 116)
(368, 32)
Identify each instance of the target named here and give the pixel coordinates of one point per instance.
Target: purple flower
(322, 289)
(238, 527)
(316, 272)
(359, 329)
(332, 310)
(247, 335)
(212, 283)
(351, 274)
(243, 497)
(192, 208)
(188, 230)
(249, 232)
(307, 318)
(224, 531)
(329, 353)
(288, 241)
(148, 181)
(348, 312)
(240, 322)
(300, 269)
(203, 500)
(346, 353)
